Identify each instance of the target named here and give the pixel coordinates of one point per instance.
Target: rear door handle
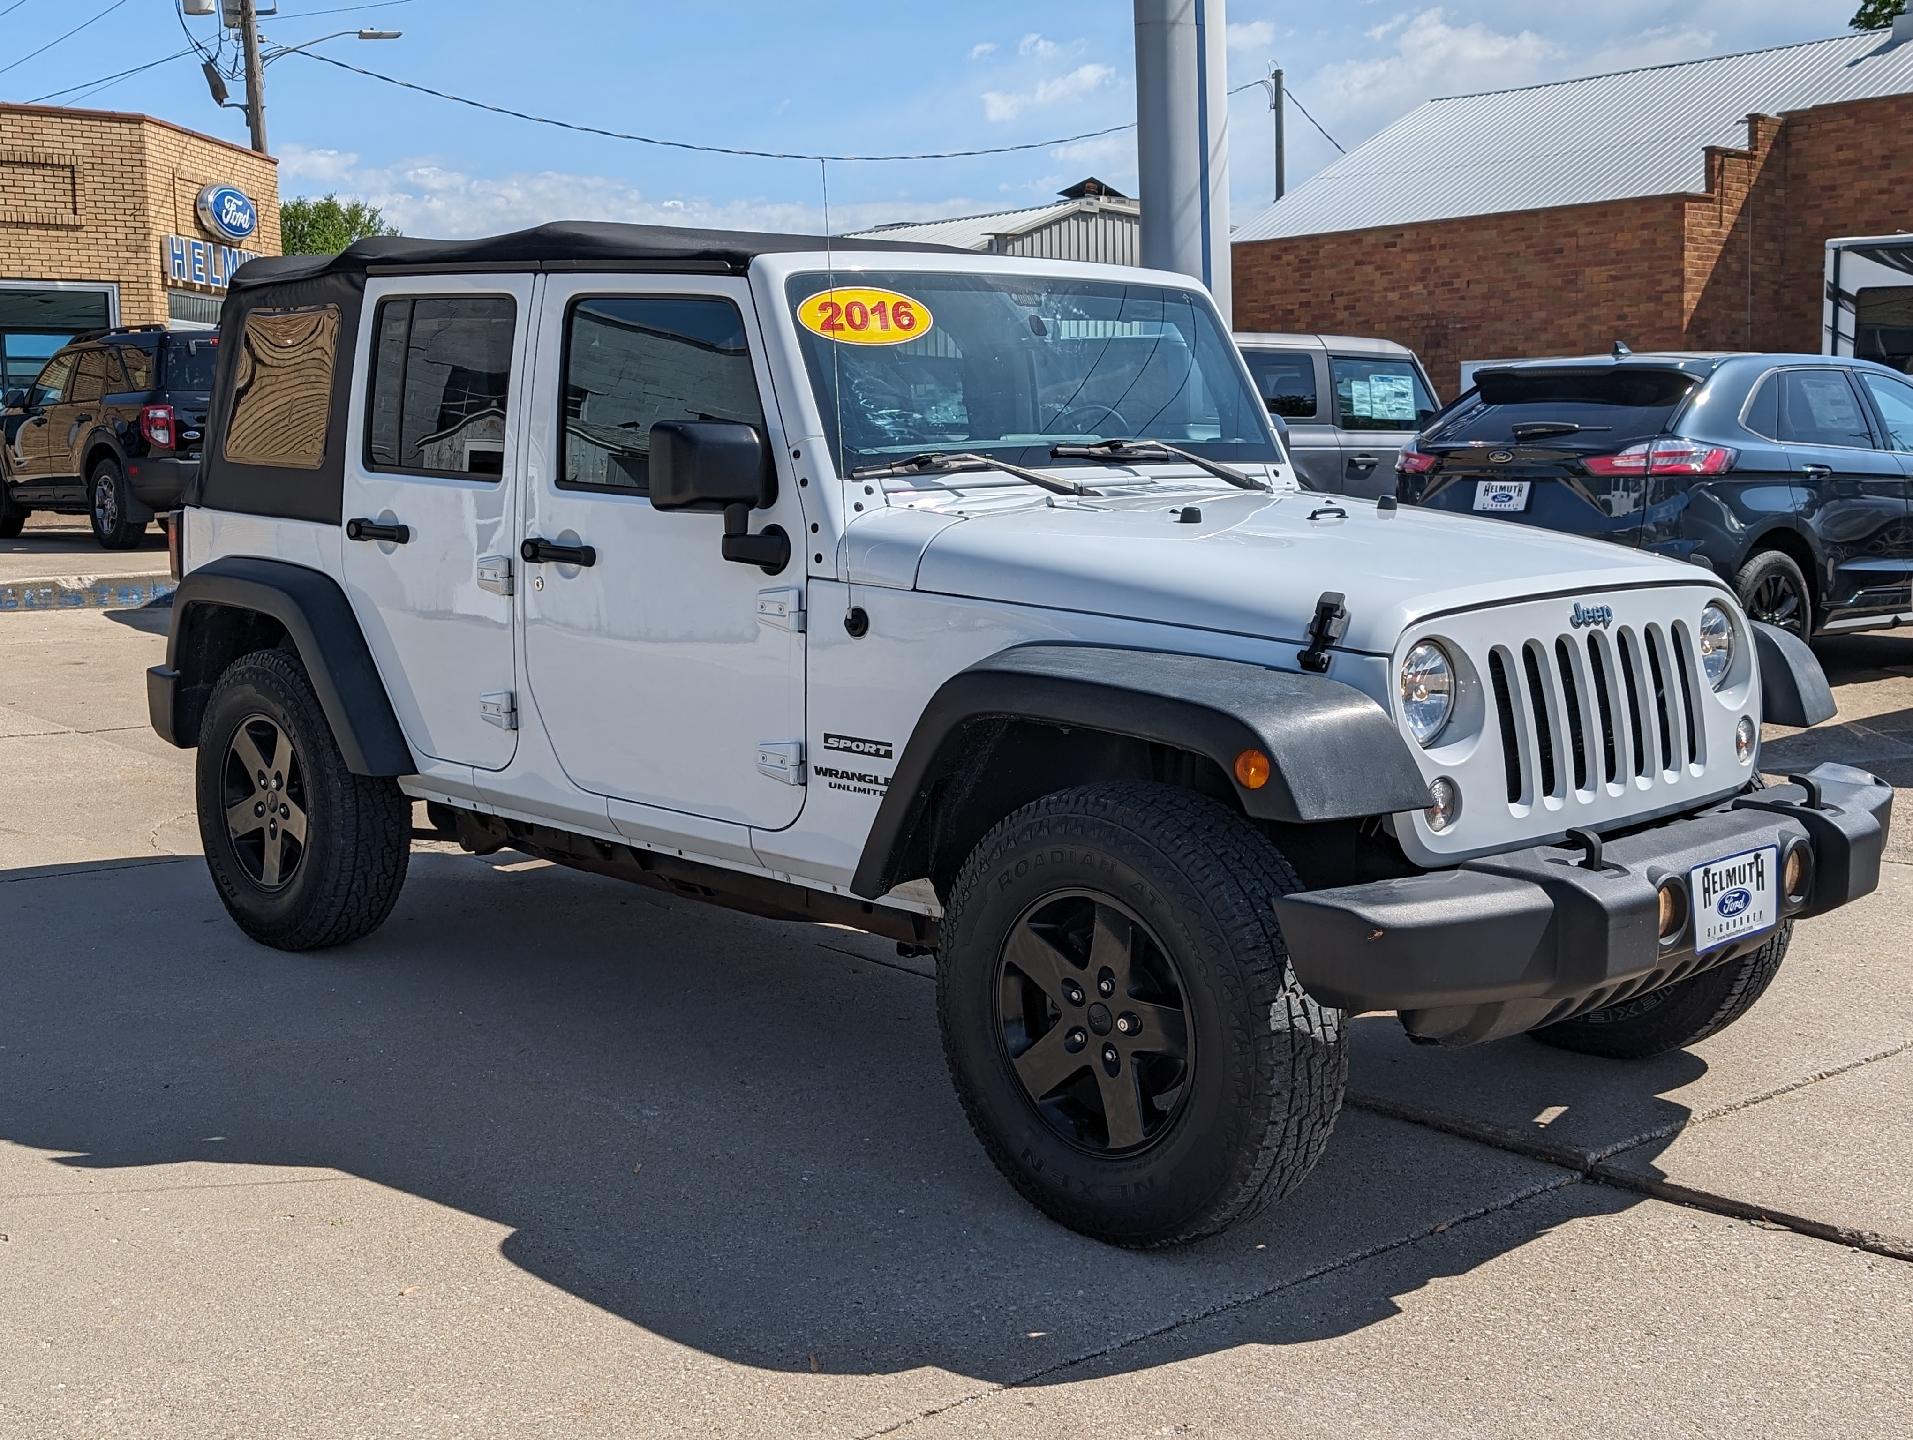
(545, 552)
(374, 530)
(1367, 461)
(1816, 472)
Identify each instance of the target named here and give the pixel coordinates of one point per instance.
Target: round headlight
(1428, 691)
(1716, 643)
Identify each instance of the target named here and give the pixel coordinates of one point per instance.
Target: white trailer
(1868, 310)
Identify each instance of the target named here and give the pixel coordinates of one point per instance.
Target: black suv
(110, 430)
(1791, 476)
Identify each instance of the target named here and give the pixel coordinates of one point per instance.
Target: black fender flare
(1334, 753)
(1793, 687)
(321, 628)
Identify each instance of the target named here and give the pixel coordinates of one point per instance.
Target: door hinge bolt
(499, 708)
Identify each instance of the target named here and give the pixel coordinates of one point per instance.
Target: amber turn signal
(1252, 769)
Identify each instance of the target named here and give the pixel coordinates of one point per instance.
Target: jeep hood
(1255, 564)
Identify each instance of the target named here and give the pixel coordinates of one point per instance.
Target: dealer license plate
(1735, 897)
(1501, 497)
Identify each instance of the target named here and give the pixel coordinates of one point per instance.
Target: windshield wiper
(1535, 429)
(945, 462)
(1155, 450)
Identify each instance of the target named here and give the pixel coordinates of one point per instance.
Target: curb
(85, 592)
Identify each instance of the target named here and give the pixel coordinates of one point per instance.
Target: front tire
(109, 507)
(304, 853)
(1119, 1015)
(1675, 1016)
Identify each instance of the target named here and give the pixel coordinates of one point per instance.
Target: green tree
(328, 224)
(1877, 14)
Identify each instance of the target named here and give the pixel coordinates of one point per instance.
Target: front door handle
(1816, 472)
(375, 530)
(544, 552)
(1367, 462)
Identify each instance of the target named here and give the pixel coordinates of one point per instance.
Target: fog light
(1446, 806)
(1673, 911)
(1252, 769)
(1746, 739)
(1796, 875)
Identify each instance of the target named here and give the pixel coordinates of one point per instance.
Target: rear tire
(304, 853)
(1678, 1015)
(1207, 1084)
(1772, 590)
(13, 518)
(109, 507)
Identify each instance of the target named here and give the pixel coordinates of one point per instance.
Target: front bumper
(1508, 942)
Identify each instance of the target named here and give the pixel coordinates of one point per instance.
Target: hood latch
(1329, 625)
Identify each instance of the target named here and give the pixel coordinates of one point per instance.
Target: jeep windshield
(1011, 367)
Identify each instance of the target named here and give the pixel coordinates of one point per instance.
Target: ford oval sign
(228, 211)
(1734, 901)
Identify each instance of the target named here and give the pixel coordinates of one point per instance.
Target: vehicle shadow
(75, 539)
(734, 1133)
(155, 617)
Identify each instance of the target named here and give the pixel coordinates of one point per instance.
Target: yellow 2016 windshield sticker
(860, 316)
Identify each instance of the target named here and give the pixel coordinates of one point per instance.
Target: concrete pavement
(550, 1154)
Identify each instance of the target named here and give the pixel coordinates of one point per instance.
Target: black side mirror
(720, 465)
(710, 464)
(15, 398)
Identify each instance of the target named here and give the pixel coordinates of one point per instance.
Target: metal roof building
(1678, 207)
(1090, 222)
(1575, 142)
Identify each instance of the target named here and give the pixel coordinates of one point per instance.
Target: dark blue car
(1789, 475)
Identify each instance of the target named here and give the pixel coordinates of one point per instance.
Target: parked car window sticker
(1895, 399)
(440, 385)
(1017, 364)
(282, 388)
(1379, 394)
(863, 316)
(631, 361)
(1818, 407)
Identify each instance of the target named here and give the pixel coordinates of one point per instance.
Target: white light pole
(1182, 139)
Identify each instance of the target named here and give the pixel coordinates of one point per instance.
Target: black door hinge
(1329, 624)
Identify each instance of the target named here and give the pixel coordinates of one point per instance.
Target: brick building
(101, 224)
(1682, 207)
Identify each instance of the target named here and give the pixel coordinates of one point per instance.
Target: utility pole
(1182, 139)
(1274, 85)
(255, 74)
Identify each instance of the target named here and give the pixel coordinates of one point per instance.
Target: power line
(1311, 119)
(108, 79)
(58, 38)
(341, 9)
(11, 8)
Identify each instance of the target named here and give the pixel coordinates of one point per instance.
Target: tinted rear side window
(138, 361)
(1379, 394)
(1818, 407)
(1611, 406)
(188, 364)
(441, 383)
(1286, 380)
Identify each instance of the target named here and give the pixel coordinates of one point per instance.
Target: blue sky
(824, 75)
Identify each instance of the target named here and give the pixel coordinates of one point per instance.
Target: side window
(51, 387)
(139, 366)
(89, 377)
(282, 388)
(1818, 407)
(1895, 399)
(1379, 394)
(631, 361)
(441, 385)
(1286, 380)
(1762, 415)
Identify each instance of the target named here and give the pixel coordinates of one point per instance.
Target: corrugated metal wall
(1107, 237)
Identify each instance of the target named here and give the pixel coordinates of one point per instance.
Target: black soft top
(562, 245)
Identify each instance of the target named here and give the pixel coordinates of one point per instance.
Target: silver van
(1349, 403)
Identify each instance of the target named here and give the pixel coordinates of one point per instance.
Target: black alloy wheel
(1777, 600)
(265, 802)
(1092, 1015)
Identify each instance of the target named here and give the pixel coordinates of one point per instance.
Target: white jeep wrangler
(972, 602)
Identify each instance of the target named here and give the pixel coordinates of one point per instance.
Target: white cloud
(1037, 45)
(982, 48)
(1251, 35)
(1004, 105)
(424, 197)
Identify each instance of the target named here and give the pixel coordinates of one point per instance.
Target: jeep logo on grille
(1588, 616)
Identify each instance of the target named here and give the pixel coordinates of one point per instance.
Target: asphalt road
(554, 1156)
(63, 546)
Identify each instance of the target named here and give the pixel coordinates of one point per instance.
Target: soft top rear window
(1610, 405)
